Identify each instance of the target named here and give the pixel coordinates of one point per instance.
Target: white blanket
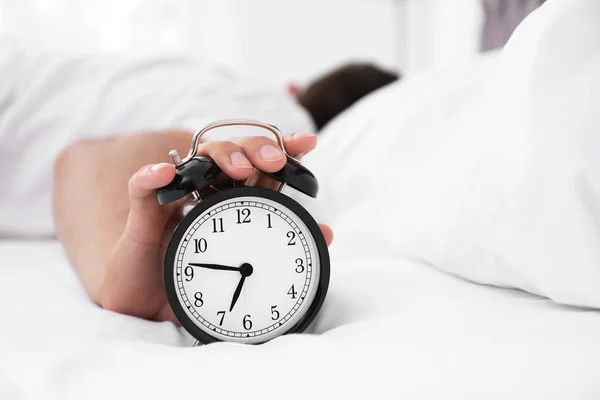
(49, 100)
(487, 170)
(390, 329)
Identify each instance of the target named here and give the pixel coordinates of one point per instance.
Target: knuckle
(256, 142)
(132, 184)
(219, 147)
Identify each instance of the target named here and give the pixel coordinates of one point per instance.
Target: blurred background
(276, 41)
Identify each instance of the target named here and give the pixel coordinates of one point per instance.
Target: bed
(391, 328)
(419, 306)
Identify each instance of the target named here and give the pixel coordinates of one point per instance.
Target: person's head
(334, 92)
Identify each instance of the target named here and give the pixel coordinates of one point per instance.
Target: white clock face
(246, 270)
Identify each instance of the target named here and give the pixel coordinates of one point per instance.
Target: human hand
(133, 280)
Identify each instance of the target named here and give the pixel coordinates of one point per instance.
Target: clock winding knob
(175, 157)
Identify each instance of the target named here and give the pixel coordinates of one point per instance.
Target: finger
(174, 220)
(263, 153)
(327, 233)
(147, 218)
(300, 143)
(229, 157)
(265, 181)
(131, 277)
(296, 145)
(253, 178)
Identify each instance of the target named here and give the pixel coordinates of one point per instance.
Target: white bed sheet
(390, 328)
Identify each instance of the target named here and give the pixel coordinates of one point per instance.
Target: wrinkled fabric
(492, 174)
(51, 99)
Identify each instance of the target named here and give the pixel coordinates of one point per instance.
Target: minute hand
(215, 266)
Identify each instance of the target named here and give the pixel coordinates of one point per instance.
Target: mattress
(390, 328)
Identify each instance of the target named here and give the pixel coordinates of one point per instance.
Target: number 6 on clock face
(246, 265)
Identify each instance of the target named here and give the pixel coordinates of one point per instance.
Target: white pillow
(533, 209)
(489, 173)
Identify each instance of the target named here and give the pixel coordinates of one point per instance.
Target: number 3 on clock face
(246, 265)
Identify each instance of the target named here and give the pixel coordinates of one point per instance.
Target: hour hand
(215, 266)
(237, 292)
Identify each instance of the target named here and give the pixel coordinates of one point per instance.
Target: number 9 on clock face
(246, 265)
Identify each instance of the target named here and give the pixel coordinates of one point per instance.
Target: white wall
(302, 38)
(274, 40)
(458, 30)
(440, 32)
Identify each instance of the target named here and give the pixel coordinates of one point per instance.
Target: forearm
(90, 200)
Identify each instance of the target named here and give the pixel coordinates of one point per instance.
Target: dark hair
(334, 92)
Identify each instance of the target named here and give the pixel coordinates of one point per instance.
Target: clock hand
(246, 270)
(237, 292)
(215, 266)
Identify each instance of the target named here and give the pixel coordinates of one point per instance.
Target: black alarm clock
(246, 264)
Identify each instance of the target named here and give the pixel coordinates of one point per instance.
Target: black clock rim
(227, 194)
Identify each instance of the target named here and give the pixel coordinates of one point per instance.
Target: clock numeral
(269, 221)
(292, 236)
(218, 225)
(198, 302)
(292, 292)
(189, 273)
(222, 315)
(200, 245)
(247, 322)
(245, 213)
(299, 265)
(274, 313)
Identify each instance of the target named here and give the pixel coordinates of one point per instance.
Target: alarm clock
(245, 264)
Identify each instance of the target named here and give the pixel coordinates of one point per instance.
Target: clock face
(246, 269)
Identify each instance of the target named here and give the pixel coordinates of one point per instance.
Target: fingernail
(157, 167)
(239, 160)
(303, 134)
(271, 153)
(253, 178)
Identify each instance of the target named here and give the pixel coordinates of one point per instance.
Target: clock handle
(234, 122)
(195, 172)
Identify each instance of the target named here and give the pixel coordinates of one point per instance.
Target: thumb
(147, 219)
